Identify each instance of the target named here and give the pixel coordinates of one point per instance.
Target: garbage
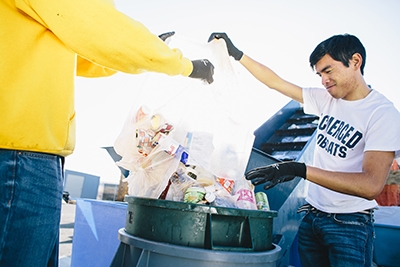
(190, 151)
(163, 168)
(262, 201)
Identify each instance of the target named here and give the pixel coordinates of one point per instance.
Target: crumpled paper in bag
(209, 115)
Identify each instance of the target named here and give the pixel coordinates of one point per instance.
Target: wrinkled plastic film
(193, 106)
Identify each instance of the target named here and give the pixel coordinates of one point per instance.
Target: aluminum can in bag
(262, 201)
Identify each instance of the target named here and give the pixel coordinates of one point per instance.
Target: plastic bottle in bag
(244, 191)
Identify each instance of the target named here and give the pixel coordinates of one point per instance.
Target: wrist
(238, 55)
(301, 170)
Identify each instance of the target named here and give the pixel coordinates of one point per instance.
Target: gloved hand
(202, 69)
(232, 50)
(276, 173)
(166, 35)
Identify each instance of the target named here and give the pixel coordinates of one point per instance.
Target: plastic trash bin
(95, 239)
(201, 226)
(135, 251)
(288, 123)
(387, 233)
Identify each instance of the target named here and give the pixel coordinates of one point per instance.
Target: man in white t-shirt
(357, 139)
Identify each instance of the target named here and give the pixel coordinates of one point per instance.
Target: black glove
(232, 50)
(202, 69)
(166, 35)
(276, 173)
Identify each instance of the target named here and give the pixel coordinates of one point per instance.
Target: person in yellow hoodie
(44, 44)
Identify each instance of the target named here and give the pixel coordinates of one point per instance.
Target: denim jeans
(31, 187)
(336, 240)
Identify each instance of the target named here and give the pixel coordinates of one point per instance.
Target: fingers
(257, 172)
(217, 35)
(261, 175)
(251, 174)
(257, 181)
(209, 78)
(213, 36)
(203, 69)
(266, 182)
(166, 35)
(272, 175)
(269, 185)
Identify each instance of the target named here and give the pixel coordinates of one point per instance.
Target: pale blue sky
(280, 34)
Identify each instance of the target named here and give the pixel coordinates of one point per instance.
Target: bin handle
(245, 237)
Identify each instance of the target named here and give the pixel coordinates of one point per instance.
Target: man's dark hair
(340, 48)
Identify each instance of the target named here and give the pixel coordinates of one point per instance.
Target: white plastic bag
(207, 119)
(150, 176)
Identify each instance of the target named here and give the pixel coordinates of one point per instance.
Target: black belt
(309, 207)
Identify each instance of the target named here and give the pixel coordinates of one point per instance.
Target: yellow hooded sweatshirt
(39, 44)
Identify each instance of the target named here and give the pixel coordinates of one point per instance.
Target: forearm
(271, 79)
(360, 184)
(260, 71)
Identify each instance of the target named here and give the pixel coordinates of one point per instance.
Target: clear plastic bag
(180, 182)
(207, 120)
(152, 173)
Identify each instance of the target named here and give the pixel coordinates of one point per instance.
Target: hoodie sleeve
(88, 69)
(101, 34)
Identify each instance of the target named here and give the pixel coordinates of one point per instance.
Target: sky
(279, 34)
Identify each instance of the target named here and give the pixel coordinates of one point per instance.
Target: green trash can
(139, 252)
(200, 226)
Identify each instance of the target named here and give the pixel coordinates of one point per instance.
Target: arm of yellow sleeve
(85, 68)
(95, 30)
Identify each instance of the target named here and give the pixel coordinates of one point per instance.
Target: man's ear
(356, 61)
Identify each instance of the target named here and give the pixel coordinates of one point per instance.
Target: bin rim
(191, 207)
(384, 225)
(271, 255)
(102, 202)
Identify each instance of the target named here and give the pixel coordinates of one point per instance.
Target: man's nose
(324, 79)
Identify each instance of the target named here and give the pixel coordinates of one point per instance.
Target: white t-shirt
(347, 129)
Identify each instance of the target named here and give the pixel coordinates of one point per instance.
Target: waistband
(309, 207)
(58, 157)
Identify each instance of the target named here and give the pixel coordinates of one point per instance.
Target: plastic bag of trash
(207, 118)
(151, 174)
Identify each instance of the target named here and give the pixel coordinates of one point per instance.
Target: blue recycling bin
(95, 239)
(387, 233)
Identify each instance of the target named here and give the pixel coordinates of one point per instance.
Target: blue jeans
(31, 187)
(336, 240)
